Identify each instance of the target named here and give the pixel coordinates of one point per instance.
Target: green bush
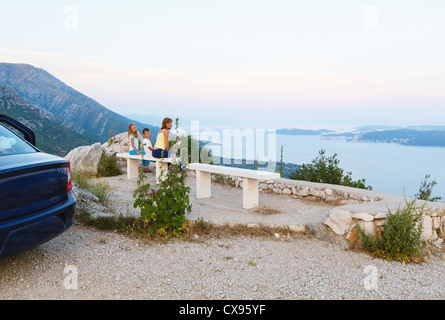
(325, 169)
(400, 239)
(164, 206)
(108, 166)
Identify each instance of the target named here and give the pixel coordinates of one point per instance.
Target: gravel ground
(85, 263)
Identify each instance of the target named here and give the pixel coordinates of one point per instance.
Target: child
(133, 137)
(148, 147)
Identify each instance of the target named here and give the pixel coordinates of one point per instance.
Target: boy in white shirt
(148, 148)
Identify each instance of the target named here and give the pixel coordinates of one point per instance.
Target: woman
(161, 147)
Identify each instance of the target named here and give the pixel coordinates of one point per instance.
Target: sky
(242, 63)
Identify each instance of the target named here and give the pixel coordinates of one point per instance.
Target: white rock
(368, 227)
(287, 191)
(317, 193)
(427, 232)
(436, 223)
(339, 221)
(85, 158)
(297, 228)
(363, 216)
(380, 215)
(117, 144)
(263, 186)
(277, 190)
(438, 243)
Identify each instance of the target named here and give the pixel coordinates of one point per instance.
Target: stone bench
(132, 164)
(251, 179)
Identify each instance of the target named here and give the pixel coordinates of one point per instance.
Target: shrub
(400, 239)
(164, 206)
(108, 166)
(326, 170)
(87, 181)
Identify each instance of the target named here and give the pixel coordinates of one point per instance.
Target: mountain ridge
(77, 112)
(50, 136)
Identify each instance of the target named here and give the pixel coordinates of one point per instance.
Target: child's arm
(134, 148)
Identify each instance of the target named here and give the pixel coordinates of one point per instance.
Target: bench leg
(250, 193)
(161, 167)
(132, 169)
(203, 185)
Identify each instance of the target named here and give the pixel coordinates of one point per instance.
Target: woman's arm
(166, 140)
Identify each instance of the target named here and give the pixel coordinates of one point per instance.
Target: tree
(426, 190)
(325, 169)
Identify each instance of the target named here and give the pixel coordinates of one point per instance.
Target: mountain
(75, 111)
(50, 136)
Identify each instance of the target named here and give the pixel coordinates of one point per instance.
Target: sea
(387, 167)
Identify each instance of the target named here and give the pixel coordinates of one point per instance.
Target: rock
(277, 190)
(317, 193)
(368, 227)
(442, 227)
(438, 243)
(363, 216)
(88, 203)
(85, 158)
(427, 232)
(380, 215)
(287, 191)
(339, 221)
(263, 186)
(354, 196)
(117, 144)
(353, 236)
(297, 228)
(436, 223)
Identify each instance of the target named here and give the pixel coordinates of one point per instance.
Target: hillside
(50, 136)
(302, 132)
(75, 111)
(412, 136)
(407, 137)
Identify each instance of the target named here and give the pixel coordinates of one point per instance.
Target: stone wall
(341, 222)
(338, 195)
(368, 208)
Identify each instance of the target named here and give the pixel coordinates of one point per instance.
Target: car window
(10, 143)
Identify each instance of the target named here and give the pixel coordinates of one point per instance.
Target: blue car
(36, 200)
